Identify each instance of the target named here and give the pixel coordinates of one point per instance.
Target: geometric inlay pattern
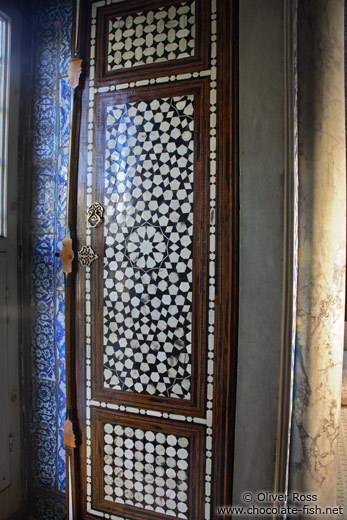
(166, 33)
(146, 247)
(148, 196)
(146, 469)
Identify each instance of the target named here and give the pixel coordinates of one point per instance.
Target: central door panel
(150, 176)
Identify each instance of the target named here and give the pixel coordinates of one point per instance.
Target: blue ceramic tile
(48, 12)
(43, 270)
(61, 463)
(47, 168)
(61, 395)
(61, 232)
(46, 63)
(44, 448)
(65, 101)
(62, 181)
(59, 275)
(60, 326)
(66, 12)
(47, 506)
(50, 120)
(44, 405)
(42, 344)
(44, 200)
(45, 126)
(65, 46)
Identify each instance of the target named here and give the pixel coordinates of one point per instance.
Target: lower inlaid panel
(146, 467)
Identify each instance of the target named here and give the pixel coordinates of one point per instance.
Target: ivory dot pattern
(146, 469)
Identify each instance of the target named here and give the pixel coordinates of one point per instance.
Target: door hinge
(10, 443)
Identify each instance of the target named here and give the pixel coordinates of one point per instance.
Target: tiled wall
(50, 126)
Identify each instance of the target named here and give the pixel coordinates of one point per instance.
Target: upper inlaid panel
(150, 37)
(146, 39)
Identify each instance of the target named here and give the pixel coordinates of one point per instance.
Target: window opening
(4, 95)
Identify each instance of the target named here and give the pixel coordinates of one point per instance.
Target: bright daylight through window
(4, 94)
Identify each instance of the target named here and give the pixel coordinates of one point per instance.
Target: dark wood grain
(226, 326)
(80, 309)
(72, 431)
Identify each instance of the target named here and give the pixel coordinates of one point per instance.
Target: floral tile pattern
(48, 506)
(47, 168)
(45, 120)
(62, 182)
(46, 73)
(60, 326)
(59, 275)
(43, 217)
(64, 101)
(44, 446)
(50, 127)
(61, 463)
(65, 45)
(61, 232)
(43, 348)
(44, 405)
(43, 270)
(61, 394)
(49, 12)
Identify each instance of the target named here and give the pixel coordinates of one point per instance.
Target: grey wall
(262, 165)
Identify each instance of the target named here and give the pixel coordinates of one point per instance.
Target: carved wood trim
(227, 291)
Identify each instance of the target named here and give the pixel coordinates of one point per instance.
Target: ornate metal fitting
(86, 256)
(95, 215)
(67, 256)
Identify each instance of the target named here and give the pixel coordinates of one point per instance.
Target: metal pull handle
(86, 256)
(95, 215)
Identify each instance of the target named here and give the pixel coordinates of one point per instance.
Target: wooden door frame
(227, 249)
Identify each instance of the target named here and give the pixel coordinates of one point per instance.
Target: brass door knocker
(86, 256)
(95, 215)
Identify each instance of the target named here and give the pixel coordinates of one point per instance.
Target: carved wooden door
(153, 378)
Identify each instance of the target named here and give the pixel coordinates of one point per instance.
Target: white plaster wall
(262, 160)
